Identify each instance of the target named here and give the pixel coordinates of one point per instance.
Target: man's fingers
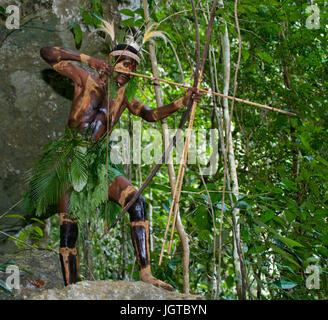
(197, 97)
(109, 70)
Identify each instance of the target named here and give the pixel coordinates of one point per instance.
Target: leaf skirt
(74, 164)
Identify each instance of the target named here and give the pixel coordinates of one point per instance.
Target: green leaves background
(282, 162)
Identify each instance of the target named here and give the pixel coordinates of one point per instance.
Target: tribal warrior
(92, 116)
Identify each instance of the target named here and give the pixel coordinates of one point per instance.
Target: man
(92, 116)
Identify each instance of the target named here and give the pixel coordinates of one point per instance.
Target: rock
(40, 278)
(111, 290)
(38, 270)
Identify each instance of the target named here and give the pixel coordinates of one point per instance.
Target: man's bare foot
(146, 276)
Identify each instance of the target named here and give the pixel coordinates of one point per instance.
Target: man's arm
(58, 58)
(151, 115)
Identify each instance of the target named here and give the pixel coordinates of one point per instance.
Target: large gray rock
(40, 278)
(110, 290)
(38, 270)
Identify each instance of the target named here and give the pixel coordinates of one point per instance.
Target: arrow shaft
(206, 91)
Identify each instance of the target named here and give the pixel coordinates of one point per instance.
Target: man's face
(125, 63)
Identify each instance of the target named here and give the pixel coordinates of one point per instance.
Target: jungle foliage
(282, 161)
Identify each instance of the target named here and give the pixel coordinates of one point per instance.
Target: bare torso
(93, 111)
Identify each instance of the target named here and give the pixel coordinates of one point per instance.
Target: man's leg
(68, 237)
(122, 191)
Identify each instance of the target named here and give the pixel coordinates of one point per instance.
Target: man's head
(126, 58)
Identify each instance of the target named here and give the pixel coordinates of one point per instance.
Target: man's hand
(192, 94)
(101, 67)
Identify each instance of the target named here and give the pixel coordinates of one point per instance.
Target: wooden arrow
(205, 91)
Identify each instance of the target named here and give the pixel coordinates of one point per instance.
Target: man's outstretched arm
(151, 115)
(54, 55)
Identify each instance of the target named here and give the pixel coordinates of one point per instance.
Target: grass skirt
(72, 163)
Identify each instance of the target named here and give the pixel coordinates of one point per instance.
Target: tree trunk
(182, 234)
(239, 265)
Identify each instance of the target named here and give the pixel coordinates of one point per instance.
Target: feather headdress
(133, 44)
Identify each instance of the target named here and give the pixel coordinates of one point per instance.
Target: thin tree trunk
(237, 252)
(182, 234)
(214, 280)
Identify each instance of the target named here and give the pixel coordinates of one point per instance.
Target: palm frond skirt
(72, 163)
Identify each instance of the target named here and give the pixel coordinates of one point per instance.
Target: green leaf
(285, 255)
(290, 215)
(289, 185)
(323, 251)
(243, 205)
(274, 232)
(285, 240)
(127, 22)
(97, 7)
(79, 172)
(245, 55)
(139, 11)
(38, 230)
(284, 284)
(204, 235)
(230, 281)
(268, 215)
(77, 32)
(266, 198)
(264, 56)
(22, 237)
(15, 216)
(322, 160)
(290, 242)
(87, 18)
(161, 187)
(305, 143)
(201, 218)
(38, 220)
(139, 22)
(127, 12)
(3, 11)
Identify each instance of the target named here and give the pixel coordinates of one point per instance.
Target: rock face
(38, 270)
(40, 278)
(110, 290)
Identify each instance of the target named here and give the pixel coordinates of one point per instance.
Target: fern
(71, 161)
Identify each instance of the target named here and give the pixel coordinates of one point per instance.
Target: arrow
(205, 91)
